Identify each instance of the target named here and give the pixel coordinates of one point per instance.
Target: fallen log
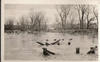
(57, 42)
(47, 52)
(47, 44)
(40, 43)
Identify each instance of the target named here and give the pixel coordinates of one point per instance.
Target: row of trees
(86, 15)
(34, 22)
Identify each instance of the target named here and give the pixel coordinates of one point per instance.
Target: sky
(18, 10)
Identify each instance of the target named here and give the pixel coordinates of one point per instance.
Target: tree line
(36, 21)
(67, 15)
(87, 16)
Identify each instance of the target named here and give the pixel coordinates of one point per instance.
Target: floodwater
(23, 46)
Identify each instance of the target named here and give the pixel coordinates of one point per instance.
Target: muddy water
(23, 46)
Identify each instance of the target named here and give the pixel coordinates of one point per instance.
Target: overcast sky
(17, 8)
(16, 11)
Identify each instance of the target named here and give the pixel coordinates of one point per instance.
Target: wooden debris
(57, 42)
(40, 43)
(92, 51)
(47, 52)
(77, 50)
(47, 44)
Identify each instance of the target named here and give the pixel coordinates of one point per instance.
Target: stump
(69, 43)
(47, 52)
(47, 44)
(77, 50)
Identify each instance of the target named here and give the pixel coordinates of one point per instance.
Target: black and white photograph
(51, 32)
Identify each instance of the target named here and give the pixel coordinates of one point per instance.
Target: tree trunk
(82, 19)
(88, 24)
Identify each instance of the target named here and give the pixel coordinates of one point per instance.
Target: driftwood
(57, 42)
(47, 52)
(91, 51)
(47, 44)
(43, 44)
(40, 43)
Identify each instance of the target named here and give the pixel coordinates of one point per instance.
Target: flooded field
(23, 46)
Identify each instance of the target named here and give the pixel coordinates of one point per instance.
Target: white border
(50, 2)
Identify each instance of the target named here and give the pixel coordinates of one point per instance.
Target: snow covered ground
(23, 46)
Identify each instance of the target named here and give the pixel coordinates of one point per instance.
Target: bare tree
(95, 13)
(32, 17)
(23, 23)
(45, 26)
(63, 12)
(81, 9)
(57, 25)
(72, 21)
(88, 17)
(36, 20)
